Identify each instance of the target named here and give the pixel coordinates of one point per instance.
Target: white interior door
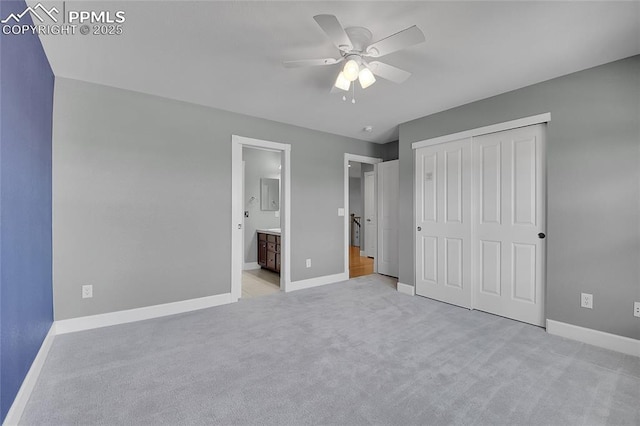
(509, 199)
(370, 239)
(388, 200)
(443, 222)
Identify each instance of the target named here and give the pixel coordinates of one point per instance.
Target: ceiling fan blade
(388, 72)
(331, 26)
(398, 41)
(310, 62)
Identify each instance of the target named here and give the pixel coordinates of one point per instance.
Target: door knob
(368, 220)
(419, 228)
(541, 235)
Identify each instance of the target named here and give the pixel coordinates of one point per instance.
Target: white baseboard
(602, 339)
(406, 289)
(29, 382)
(139, 314)
(250, 266)
(315, 282)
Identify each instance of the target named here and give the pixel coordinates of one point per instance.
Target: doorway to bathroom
(262, 230)
(260, 217)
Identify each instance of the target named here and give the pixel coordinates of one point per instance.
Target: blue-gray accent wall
(26, 110)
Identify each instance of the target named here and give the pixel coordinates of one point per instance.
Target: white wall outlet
(636, 309)
(586, 300)
(308, 263)
(340, 211)
(277, 213)
(87, 291)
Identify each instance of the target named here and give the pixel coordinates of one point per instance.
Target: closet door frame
(494, 128)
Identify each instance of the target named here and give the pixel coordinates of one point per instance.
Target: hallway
(359, 265)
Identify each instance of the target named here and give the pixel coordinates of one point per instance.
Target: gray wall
(258, 164)
(356, 201)
(593, 195)
(142, 194)
(390, 151)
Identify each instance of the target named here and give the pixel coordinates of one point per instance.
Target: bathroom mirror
(269, 194)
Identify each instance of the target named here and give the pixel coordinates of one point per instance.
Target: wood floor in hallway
(359, 265)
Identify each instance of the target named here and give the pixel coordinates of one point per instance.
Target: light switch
(340, 211)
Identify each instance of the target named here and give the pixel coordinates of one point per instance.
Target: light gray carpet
(350, 353)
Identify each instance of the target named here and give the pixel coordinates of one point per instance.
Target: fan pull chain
(353, 96)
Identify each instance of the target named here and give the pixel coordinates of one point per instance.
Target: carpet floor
(351, 353)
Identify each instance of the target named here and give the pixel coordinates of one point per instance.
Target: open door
(388, 217)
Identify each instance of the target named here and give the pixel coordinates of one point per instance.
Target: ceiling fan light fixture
(366, 78)
(351, 70)
(342, 83)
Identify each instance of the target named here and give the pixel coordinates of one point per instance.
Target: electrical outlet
(586, 300)
(87, 291)
(308, 263)
(636, 309)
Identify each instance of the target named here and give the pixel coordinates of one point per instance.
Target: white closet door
(443, 222)
(509, 215)
(388, 212)
(370, 230)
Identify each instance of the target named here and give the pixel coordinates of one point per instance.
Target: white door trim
(359, 159)
(499, 127)
(237, 208)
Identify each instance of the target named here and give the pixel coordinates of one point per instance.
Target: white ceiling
(228, 54)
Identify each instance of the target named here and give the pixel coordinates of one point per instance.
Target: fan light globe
(342, 82)
(366, 78)
(351, 70)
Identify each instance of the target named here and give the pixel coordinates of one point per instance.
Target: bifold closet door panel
(443, 222)
(508, 192)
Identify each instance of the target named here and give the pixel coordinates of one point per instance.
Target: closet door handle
(541, 235)
(419, 228)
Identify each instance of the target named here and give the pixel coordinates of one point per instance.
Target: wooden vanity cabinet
(269, 251)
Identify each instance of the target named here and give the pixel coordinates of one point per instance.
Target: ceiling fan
(356, 48)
